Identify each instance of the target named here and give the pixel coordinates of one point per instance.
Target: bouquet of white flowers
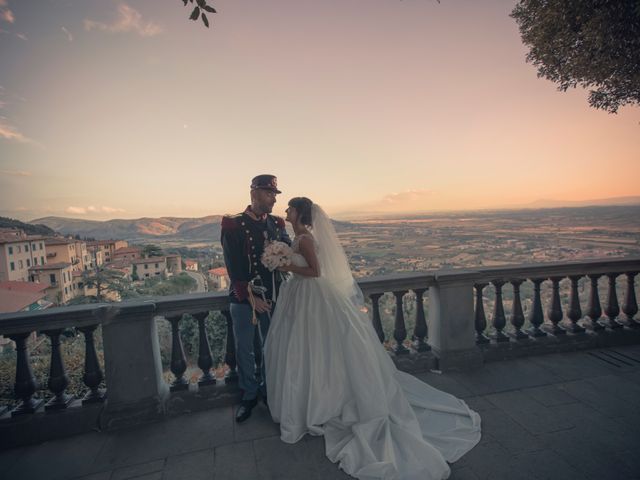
(276, 254)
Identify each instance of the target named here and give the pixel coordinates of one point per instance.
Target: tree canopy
(152, 250)
(591, 43)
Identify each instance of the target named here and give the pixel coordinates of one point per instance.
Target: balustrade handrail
(84, 315)
(546, 270)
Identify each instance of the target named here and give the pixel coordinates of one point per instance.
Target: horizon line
(354, 214)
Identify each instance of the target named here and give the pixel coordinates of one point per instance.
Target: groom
(243, 240)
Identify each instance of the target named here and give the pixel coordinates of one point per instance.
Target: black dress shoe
(244, 410)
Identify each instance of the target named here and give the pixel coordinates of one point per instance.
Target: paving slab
(125, 473)
(589, 393)
(150, 476)
(270, 453)
(505, 376)
(97, 476)
(259, 425)
(491, 461)
(446, 384)
(548, 465)
(549, 395)
(9, 458)
(599, 428)
(464, 473)
(592, 458)
(532, 415)
(324, 468)
(199, 465)
(59, 459)
(235, 461)
(181, 434)
(479, 404)
(618, 386)
(498, 427)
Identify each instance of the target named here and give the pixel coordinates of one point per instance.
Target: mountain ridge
(201, 228)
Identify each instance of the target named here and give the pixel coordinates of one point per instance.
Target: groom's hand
(261, 306)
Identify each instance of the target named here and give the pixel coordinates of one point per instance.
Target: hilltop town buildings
(40, 271)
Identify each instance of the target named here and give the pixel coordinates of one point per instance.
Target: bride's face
(292, 214)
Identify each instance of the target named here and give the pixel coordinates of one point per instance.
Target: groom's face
(264, 199)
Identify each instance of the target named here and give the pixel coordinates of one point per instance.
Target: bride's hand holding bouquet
(277, 256)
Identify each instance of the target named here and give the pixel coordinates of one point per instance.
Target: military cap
(265, 182)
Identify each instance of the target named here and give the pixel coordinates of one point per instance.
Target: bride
(327, 373)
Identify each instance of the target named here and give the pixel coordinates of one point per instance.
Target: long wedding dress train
(328, 374)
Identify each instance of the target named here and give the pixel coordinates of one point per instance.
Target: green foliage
(26, 227)
(134, 274)
(151, 250)
(176, 285)
(591, 43)
(105, 280)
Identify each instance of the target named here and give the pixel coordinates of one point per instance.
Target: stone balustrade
(457, 333)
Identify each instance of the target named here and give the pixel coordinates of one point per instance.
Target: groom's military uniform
(243, 238)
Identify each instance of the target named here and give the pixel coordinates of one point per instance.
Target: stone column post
(452, 334)
(137, 392)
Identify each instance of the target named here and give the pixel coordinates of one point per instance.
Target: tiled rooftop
(562, 416)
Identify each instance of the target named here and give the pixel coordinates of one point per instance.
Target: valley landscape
(412, 243)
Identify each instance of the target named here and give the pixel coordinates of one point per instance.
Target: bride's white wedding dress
(328, 374)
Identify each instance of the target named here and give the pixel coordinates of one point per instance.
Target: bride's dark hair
(303, 207)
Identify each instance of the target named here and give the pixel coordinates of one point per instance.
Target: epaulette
(230, 222)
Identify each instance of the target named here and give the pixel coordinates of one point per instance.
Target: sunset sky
(124, 109)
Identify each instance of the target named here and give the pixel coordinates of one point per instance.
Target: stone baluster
(178, 358)
(420, 331)
(612, 310)
(555, 309)
(26, 383)
(205, 359)
(58, 379)
(92, 373)
(257, 352)
(574, 313)
(480, 317)
(499, 320)
(630, 306)
(536, 316)
(230, 351)
(375, 315)
(594, 310)
(517, 316)
(399, 329)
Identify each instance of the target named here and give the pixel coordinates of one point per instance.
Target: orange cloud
(9, 132)
(7, 15)
(15, 173)
(407, 197)
(92, 209)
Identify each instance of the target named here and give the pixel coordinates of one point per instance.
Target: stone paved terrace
(559, 416)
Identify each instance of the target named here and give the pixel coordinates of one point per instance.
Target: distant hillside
(602, 202)
(33, 228)
(205, 228)
(145, 229)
